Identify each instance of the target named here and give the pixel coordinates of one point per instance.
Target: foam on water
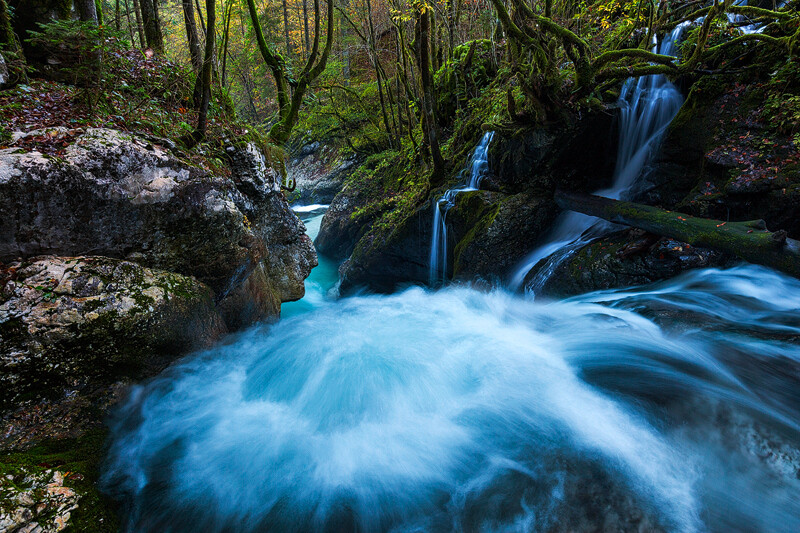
(462, 410)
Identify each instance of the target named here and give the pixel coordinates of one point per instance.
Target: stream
(669, 407)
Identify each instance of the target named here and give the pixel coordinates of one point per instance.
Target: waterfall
(744, 23)
(475, 171)
(647, 106)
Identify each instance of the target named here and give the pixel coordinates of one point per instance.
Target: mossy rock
(53, 474)
(67, 321)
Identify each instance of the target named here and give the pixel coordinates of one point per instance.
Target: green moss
(81, 458)
(485, 218)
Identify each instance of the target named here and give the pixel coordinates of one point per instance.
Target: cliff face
(120, 255)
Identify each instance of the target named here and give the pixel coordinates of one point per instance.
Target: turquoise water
(670, 407)
(323, 277)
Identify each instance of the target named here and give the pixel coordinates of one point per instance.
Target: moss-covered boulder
(505, 232)
(66, 322)
(118, 195)
(625, 258)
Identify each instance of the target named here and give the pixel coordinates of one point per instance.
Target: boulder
(626, 258)
(117, 195)
(318, 173)
(504, 234)
(340, 230)
(65, 321)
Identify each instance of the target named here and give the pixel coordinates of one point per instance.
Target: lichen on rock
(118, 195)
(68, 320)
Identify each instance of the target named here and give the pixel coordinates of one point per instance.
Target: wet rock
(626, 258)
(720, 159)
(66, 321)
(117, 195)
(36, 502)
(319, 173)
(384, 265)
(340, 229)
(503, 236)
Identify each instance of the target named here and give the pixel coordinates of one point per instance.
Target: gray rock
(117, 195)
(4, 76)
(319, 173)
(67, 321)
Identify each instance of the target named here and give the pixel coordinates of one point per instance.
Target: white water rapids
(673, 407)
(670, 407)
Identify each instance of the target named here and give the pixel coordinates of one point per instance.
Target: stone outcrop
(66, 321)
(121, 255)
(318, 173)
(626, 258)
(489, 231)
(116, 195)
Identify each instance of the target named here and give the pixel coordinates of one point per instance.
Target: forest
(399, 265)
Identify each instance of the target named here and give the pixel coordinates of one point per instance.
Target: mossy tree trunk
(289, 103)
(8, 40)
(429, 124)
(205, 76)
(87, 10)
(749, 240)
(152, 25)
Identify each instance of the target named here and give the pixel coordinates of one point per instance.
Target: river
(669, 407)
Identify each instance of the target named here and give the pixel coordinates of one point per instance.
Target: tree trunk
(286, 29)
(748, 240)
(139, 26)
(305, 23)
(87, 10)
(225, 43)
(200, 14)
(192, 36)
(8, 40)
(429, 118)
(208, 63)
(376, 65)
(130, 24)
(152, 26)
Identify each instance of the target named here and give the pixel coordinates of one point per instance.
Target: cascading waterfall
(744, 23)
(476, 169)
(647, 106)
(670, 407)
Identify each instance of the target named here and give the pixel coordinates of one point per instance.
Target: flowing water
(476, 169)
(647, 106)
(671, 407)
(320, 284)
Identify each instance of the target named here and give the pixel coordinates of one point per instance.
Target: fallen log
(748, 240)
